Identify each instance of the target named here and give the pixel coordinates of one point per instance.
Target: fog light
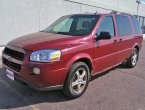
(36, 71)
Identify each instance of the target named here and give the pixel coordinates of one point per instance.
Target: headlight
(45, 55)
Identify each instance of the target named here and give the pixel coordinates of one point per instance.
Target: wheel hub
(134, 57)
(79, 80)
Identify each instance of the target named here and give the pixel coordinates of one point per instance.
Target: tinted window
(123, 25)
(136, 25)
(106, 25)
(144, 22)
(141, 21)
(77, 25)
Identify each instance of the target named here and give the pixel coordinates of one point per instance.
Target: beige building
(19, 17)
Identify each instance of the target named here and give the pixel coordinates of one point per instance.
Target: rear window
(136, 25)
(123, 24)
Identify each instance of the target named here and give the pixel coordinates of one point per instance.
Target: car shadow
(14, 94)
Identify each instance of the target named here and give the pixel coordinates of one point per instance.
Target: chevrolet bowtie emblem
(10, 58)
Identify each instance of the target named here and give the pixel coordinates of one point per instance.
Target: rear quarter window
(123, 24)
(136, 26)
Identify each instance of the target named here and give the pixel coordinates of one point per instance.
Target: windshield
(76, 25)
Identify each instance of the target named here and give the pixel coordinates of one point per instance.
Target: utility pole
(138, 3)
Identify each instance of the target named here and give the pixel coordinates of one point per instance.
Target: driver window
(106, 25)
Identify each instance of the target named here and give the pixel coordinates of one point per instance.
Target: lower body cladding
(40, 76)
(57, 87)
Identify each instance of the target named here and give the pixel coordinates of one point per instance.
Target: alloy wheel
(134, 57)
(79, 80)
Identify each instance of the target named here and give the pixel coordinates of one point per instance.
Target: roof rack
(87, 12)
(123, 13)
(114, 12)
(96, 12)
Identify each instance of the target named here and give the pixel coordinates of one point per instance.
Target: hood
(41, 40)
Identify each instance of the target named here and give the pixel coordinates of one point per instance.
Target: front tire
(77, 80)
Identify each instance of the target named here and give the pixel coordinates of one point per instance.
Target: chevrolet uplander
(72, 50)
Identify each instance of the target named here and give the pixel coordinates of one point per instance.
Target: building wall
(19, 17)
(127, 6)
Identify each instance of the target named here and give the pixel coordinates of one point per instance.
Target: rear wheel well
(137, 47)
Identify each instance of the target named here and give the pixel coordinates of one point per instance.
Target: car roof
(100, 14)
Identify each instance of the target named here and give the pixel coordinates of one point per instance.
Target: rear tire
(77, 80)
(132, 61)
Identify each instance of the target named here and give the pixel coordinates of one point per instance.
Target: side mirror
(104, 35)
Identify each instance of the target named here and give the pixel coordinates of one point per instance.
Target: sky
(143, 0)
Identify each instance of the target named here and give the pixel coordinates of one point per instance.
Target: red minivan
(72, 50)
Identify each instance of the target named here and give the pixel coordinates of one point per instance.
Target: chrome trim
(16, 48)
(6, 67)
(9, 58)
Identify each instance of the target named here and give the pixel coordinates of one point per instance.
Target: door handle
(120, 40)
(115, 41)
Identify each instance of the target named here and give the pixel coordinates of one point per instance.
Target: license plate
(10, 74)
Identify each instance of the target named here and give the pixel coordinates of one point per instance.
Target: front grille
(12, 65)
(14, 54)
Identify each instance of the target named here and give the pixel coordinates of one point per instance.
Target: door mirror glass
(104, 35)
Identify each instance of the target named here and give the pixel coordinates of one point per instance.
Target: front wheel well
(87, 61)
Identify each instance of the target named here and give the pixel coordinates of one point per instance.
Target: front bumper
(29, 84)
(51, 77)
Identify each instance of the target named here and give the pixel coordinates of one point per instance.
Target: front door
(105, 49)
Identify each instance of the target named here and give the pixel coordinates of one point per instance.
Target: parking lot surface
(117, 89)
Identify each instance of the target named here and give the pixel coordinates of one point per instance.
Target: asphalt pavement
(117, 89)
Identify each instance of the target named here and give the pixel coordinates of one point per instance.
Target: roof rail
(114, 12)
(87, 12)
(96, 12)
(123, 13)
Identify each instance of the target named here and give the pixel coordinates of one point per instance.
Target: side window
(85, 24)
(136, 25)
(141, 21)
(81, 21)
(106, 25)
(123, 24)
